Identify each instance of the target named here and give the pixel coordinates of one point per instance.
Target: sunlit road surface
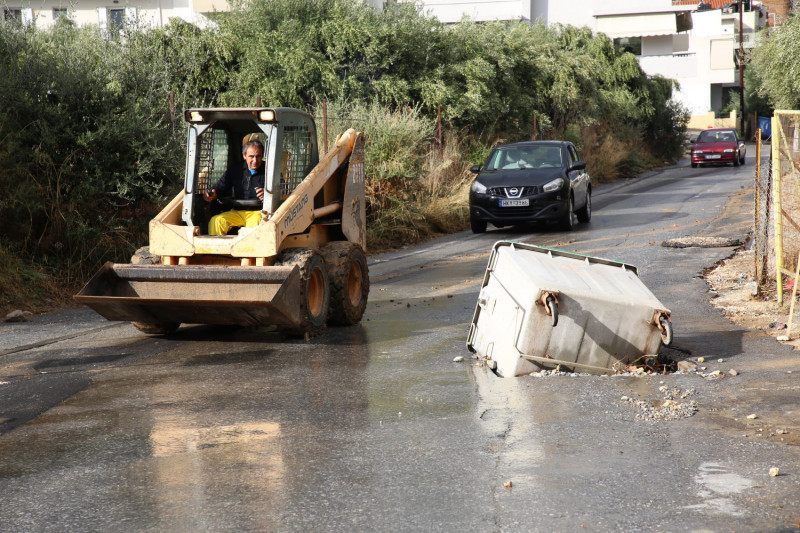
(376, 428)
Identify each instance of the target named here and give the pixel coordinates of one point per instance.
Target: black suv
(529, 182)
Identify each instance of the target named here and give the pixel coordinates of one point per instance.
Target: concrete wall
(702, 122)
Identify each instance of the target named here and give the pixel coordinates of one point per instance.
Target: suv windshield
(515, 157)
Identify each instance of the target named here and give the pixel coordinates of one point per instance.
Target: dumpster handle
(550, 302)
(552, 310)
(665, 325)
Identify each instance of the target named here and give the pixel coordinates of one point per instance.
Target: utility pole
(741, 68)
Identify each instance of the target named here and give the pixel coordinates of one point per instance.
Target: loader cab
(214, 143)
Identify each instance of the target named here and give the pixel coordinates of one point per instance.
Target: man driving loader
(247, 181)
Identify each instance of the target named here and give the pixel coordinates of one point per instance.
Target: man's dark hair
(248, 144)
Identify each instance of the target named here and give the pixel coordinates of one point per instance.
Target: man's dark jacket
(244, 184)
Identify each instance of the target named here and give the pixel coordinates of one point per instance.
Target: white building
(112, 14)
(118, 14)
(696, 48)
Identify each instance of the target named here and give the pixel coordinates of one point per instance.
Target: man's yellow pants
(222, 223)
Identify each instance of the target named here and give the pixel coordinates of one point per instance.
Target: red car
(718, 145)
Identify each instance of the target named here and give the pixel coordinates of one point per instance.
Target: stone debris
(556, 372)
(18, 315)
(733, 372)
(507, 484)
(676, 404)
(752, 417)
(701, 242)
(458, 359)
(774, 471)
(686, 366)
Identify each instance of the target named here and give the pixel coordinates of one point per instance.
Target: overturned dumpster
(540, 308)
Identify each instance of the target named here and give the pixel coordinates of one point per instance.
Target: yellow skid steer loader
(301, 268)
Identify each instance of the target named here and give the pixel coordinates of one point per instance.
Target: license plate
(714, 156)
(514, 203)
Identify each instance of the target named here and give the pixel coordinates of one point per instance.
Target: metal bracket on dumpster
(662, 321)
(549, 299)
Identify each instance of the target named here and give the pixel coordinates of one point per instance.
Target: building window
(13, 13)
(59, 12)
(116, 21)
(629, 44)
(19, 15)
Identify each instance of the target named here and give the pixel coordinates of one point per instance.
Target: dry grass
(28, 287)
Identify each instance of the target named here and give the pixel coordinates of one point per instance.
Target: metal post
(778, 208)
(759, 244)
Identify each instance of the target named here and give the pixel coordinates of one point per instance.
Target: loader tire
(157, 329)
(349, 280)
(314, 290)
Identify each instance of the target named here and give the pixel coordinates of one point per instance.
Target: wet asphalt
(376, 428)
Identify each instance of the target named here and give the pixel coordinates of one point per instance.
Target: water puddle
(717, 486)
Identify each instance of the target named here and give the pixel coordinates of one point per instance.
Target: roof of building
(715, 4)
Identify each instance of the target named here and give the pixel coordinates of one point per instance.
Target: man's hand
(260, 193)
(210, 196)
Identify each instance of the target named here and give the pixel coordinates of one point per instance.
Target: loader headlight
(267, 115)
(195, 116)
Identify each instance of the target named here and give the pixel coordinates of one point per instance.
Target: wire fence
(777, 209)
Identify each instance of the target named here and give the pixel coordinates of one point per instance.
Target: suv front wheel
(477, 226)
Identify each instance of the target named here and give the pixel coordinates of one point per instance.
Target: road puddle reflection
(717, 486)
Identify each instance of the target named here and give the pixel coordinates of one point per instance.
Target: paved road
(375, 428)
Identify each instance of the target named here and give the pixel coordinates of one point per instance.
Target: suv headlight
(729, 150)
(478, 187)
(554, 185)
(697, 151)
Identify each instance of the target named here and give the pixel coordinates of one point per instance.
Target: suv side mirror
(578, 165)
(475, 169)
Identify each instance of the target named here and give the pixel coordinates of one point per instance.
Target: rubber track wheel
(349, 280)
(314, 290)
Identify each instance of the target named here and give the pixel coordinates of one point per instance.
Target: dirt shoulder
(733, 292)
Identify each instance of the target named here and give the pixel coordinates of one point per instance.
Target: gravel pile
(676, 404)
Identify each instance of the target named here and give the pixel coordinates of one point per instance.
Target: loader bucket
(225, 295)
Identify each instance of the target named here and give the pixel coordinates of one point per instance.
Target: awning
(644, 24)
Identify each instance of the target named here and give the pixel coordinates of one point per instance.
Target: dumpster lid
(565, 253)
